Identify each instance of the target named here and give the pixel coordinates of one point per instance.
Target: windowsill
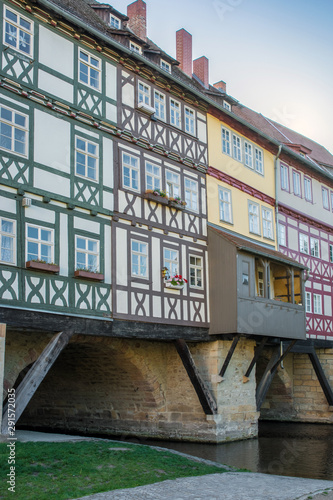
(88, 275)
(177, 206)
(169, 286)
(156, 198)
(21, 55)
(42, 266)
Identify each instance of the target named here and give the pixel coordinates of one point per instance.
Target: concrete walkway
(226, 486)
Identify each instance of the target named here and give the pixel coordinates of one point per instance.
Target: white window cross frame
(7, 240)
(89, 70)
(13, 131)
(18, 32)
(39, 243)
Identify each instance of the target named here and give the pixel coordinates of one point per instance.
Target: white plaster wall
(107, 254)
(40, 213)
(156, 266)
(202, 131)
(111, 81)
(128, 95)
(63, 260)
(55, 86)
(51, 182)
(56, 52)
(7, 204)
(111, 112)
(327, 305)
(87, 225)
(121, 257)
(108, 163)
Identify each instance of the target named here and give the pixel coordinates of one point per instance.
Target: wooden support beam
(206, 399)
(35, 376)
(321, 376)
(257, 352)
(229, 355)
(2, 365)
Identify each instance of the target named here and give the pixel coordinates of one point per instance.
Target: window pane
(81, 243)
(33, 232)
(45, 235)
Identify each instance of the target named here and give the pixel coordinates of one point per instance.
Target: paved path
(226, 486)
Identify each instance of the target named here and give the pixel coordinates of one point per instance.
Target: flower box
(177, 206)
(88, 275)
(42, 266)
(174, 287)
(149, 195)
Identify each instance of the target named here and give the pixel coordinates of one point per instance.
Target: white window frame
(282, 235)
(144, 93)
(227, 105)
(172, 183)
(267, 223)
(261, 286)
(39, 241)
(331, 253)
(317, 304)
(153, 179)
(304, 243)
(20, 31)
(115, 22)
(191, 194)
(87, 253)
(135, 47)
(308, 303)
(198, 272)
(189, 118)
(259, 161)
(91, 67)
(325, 198)
(254, 217)
(134, 171)
(140, 254)
(159, 104)
(175, 113)
(237, 147)
(172, 264)
(87, 155)
(226, 141)
(307, 189)
(12, 237)
(14, 128)
(165, 66)
(284, 177)
(297, 183)
(248, 154)
(225, 204)
(314, 247)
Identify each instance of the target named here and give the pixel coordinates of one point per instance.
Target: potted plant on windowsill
(42, 265)
(88, 274)
(176, 282)
(177, 203)
(156, 195)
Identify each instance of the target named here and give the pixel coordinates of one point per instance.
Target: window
(331, 253)
(153, 176)
(7, 240)
(172, 184)
(314, 247)
(195, 272)
(86, 158)
(282, 235)
(317, 309)
(130, 172)
(40, 244)
(115, 22)
(13, 131)
(175, 117)
(191, 194)
(171, 262)
(18, 32)
(159, 100)
(259, 162)
(237, 150)
(307, 189)
(225, 205)
(86, 254)
(254, 218)
(267, 223)
(308, 307)
(284, 177)
(296, 183)
(189, 121)
(226, 105)
(139, 259)
(89, 70)
(248, 150)
(144, 93)
(226, 141)
(304, 243)
(136, 48)
(166, 66)
(326, 203)
(261, 289)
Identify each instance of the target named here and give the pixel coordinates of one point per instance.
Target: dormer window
(115, 22)
(166, 66)
(136, 48)
(226, 105)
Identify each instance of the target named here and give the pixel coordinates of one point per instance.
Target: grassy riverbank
(59, 471)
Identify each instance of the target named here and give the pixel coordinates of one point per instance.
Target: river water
(287, 449)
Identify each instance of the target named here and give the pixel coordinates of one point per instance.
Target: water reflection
(287, 449)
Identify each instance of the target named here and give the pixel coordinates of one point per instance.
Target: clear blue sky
(276, 56)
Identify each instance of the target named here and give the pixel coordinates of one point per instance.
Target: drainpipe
(276, 196)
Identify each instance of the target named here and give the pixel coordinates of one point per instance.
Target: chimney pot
(184, 50)
(137, 14)
(201, 70)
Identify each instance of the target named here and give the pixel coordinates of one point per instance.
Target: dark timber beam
(270, 371)
(229, 355)
(257, 352)
(206, 399)
(321, 376)
(35, 376)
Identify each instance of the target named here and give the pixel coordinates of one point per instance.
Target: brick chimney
(136, 12)
(201, 70)
(221, 85)
(184, 51)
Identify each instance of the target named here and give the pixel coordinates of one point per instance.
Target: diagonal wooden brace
(229, 355)
(257, 352)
